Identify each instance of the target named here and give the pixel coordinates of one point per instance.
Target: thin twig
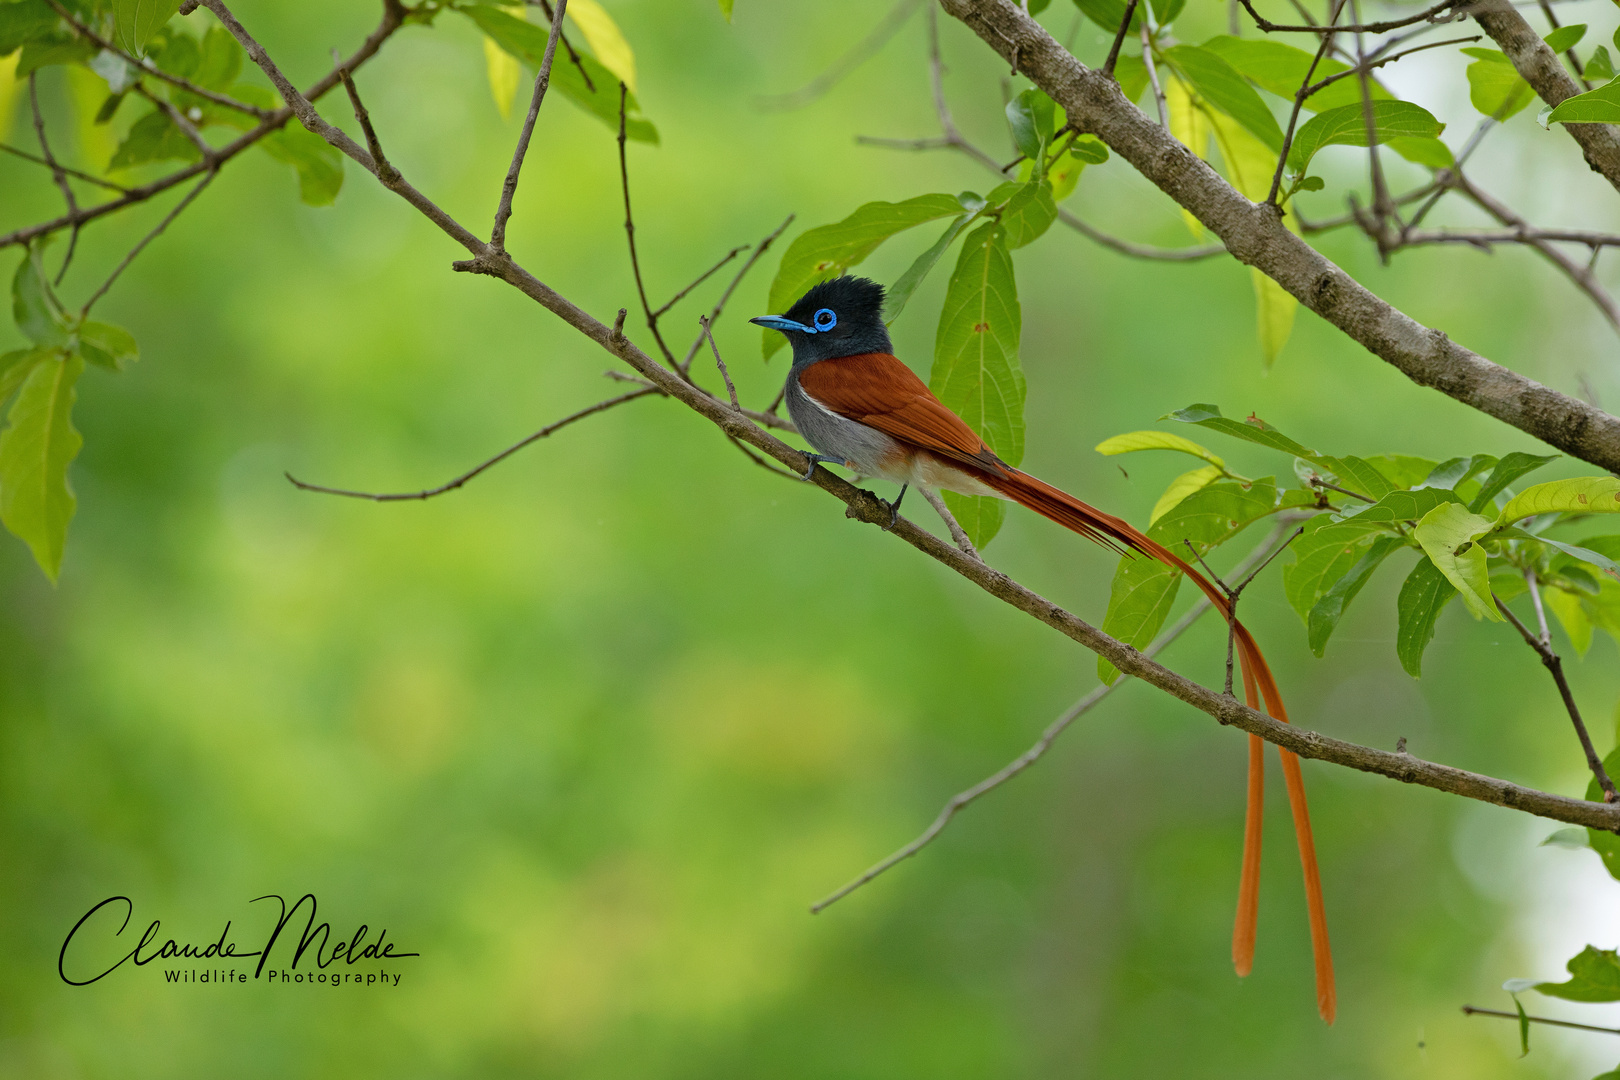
(958, 534)
(721, 364)
(863, 51)
(393, 18)
(147, 239)
(630, 233)
(1119, 39)
(1574, 61)
(573, 56)
(1426, 15)
(1042, 745)
(701, 278)
(1373, 64)
(1299, 103)
(57, 172)
(77, 175)
(1153, 76)
(1555, 666)
(542, 79)
(146, 67)
(1383, 208)
(1469, 1010)
(385, 172)
(179, 120)
(720, 305)
(451, 485)
(1317, 481)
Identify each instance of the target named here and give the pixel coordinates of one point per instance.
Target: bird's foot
(816, 459)
(894, 509)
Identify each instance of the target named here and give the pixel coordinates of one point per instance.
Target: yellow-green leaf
(505, 73)
(976, 370)
(1133, 441)
(602, 34)
(1450, 537)
(135, 21)
(1583, 494)
(1572, 617)
(1180, 488)
(36, 448)
(725, 8)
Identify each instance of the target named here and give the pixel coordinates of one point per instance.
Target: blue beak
(777, 322)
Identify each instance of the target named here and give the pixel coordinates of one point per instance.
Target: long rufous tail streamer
(1258, 683)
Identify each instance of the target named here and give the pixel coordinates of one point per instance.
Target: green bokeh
(592, 733)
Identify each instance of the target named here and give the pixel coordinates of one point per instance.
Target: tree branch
(452, 485)
(865, 507)
(542, 79)
(1257, 238)
(1539, 65)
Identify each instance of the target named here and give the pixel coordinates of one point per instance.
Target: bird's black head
(841, 317)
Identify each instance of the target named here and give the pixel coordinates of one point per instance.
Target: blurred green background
(592, 733)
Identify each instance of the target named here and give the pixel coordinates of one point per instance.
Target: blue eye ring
(825, 319)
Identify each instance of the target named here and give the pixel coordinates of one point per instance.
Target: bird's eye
(825, 319)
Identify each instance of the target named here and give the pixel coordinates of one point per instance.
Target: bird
(861, 407)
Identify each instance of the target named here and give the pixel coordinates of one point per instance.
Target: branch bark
(866, 507)
(1256, 237)
(1540, 67)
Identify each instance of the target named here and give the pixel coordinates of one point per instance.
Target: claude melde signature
(84, 955)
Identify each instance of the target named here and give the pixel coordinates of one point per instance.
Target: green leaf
(1089, 149)
(1323, 553)
(1601, 67)
(1605, 843)
(1133, 441)
(1583, 494)
(976, 370)
(1312, 183)
(1280, 68)
(600, 97)
(35, 309)
(1108, 14)
(1139, 600)
(221, 60)
(897, 295)
(47, 52)
(1524, 1028)
(1423, 595)
(1400, 506)
(1222, 87)
(1219, 512)
(1567, 838)
(15, 366)
(35, 450)
(1030, 115)
(135, 21)
(725, 8)
(1508, 470)
(21, 23)
(1594, 976)
(1403, 470)
(1565, 38)
(1325, 615)
(1572, 616)
(154, 137)
(829, 250)
(1600, 106)
(1028, 213)
(1431, 153)
(1181, 487)
(1601, 560)
(1347, 126)
(1495, 87)
(108, 346)
(1252, 430)
(318, 162)
(1449, 535)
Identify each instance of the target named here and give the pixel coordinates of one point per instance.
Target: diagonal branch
(1256, 236)
(961, 800)
(157, 230)
(1539, 65)
(865, 507)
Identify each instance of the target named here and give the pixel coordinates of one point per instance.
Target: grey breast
(872, 451)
